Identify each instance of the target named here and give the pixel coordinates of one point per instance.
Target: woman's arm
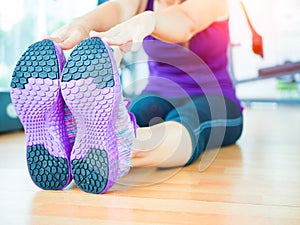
(175, 24)
(100, 19)
(179, 23)
(110, 14)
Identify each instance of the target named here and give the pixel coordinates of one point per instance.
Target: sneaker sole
(91, 88)
(36, 96)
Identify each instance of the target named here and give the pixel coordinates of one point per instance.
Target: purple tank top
(177, 71)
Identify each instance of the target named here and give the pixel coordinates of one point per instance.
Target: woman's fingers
(67, 44)
(68, 36)
(95, 34)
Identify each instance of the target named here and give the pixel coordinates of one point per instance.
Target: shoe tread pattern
(36, 96)
(89, 89)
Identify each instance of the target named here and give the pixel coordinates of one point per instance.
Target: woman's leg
(159, 142)
(166, 144)
(201, 123)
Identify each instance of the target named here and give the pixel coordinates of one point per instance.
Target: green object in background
(286, 83)
(286, 86)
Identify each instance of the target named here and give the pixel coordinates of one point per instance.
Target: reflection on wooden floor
(256, 181)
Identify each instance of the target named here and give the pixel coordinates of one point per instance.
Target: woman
(189, 103)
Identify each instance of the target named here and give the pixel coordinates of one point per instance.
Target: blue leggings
(212, 120)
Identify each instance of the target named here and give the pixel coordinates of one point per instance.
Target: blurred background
(278, 22)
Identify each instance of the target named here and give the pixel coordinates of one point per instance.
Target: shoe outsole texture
(37, 99)
(91, 89)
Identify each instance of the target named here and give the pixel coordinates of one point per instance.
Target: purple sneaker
(90, 85)
(36, 96)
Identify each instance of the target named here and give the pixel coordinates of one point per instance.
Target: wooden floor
(256, 181)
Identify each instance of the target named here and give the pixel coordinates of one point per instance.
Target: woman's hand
(71, 34)
(129, 33)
